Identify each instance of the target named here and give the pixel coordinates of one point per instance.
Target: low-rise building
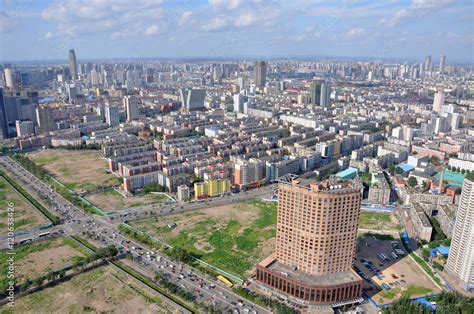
(211, 188)
(379, 190)
(183, 193)
(446, 218)
(421, 223)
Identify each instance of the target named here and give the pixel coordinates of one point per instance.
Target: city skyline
(237, 156)
(405, 30)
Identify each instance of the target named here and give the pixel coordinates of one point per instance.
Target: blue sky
(411, 29)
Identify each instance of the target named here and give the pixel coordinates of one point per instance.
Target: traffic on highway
(104, 231)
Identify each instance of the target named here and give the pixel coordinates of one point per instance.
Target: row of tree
(458, 169)
(102, 254)
(42, 174)
(94, 146)
(140, 237)
(38, 281)
(446, 303)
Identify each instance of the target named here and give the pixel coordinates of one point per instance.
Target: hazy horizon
(408, 30)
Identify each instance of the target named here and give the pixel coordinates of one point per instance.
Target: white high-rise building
(455, 121)
(192, 99)
(442, 63)
(441, 125)
(241, 83)
(112, 116)
(130, 104)
(239, 103)
(325, 100)
(72, 64)
(428, 64)
(370, 76)
(9, 78)
(460, 263)
(438, 101)
(260, 73)
(71, 92)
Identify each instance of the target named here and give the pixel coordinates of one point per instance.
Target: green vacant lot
(406, 292)
(102, 290)
(379, 220)
(79, 170)
(233, 238)
(26, 217)
(111, 200)
(38, 258)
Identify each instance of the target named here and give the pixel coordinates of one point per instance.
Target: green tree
(391, 169)
(454, 302)
(412, 181)
(398, 170)
(405, 306)
(38, 281)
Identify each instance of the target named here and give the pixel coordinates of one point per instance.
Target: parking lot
(388, 274)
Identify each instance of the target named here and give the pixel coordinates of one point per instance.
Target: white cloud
(185, 18)
(417, 9)
(355, 32)
(215, 24)
(82, 17)
(246, 19)
(299, 37)
(225, 4)
(152, 30)
(6, 23)
(48, 35)
(259, 17)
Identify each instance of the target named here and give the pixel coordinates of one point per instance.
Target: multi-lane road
(104, 231)
(174, 208)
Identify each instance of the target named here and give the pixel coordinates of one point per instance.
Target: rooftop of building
(454, 178)
(421, 214)
(347, 172)
(334, 185)
(406, 167)
(311, 280)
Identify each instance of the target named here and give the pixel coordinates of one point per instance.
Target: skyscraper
(260, 73)
(460, 263)
(8, 77)
(315, 93)
(44, 116)
(438, 101)
(112, 116)
(3, 118)
(325, 98)
(192, 99)
(315, 242)
(239, 103)
(130, 102)
(428, 64)
(72, 64)
(442, 63)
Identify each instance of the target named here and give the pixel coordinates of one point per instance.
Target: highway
(175, 208)
(105, 232)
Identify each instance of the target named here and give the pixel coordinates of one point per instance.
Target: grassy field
(111, 200)
(379, 220)
(79, 170)
(233, 238)
(32, 260)
(26, 217)
(407, 292)
(103, 290)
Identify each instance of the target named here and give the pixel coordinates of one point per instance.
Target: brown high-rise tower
(315, 242)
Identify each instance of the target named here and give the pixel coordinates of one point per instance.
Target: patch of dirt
(38, 263)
